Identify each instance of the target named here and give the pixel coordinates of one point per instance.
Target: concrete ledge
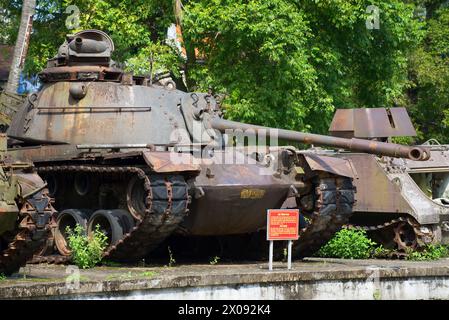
(310, 279)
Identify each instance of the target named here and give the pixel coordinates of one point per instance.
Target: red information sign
(282, 224)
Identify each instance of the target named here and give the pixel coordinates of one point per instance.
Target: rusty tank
(26, 213)
(144, 160)
(409, 207)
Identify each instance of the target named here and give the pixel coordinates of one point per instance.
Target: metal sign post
(289, 260)
(282, 224)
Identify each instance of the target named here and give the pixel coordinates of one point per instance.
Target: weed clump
(348, 244)
(86, 251)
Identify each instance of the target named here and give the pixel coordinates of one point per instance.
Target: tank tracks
(166, 202)
(398, 226)
(333, 208)
(36, 218)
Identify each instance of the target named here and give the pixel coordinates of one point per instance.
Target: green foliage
(148, 274)
(381, 253)
(280, 63)
(377, 295)
(164, 59)
(289, 64)
(430, 252)
(348, 244)
(429, 72)
(214, 260)
(354, 244)
(132, 24)
(2, 277)
(86, 251)
(171, 261)
(403, 140)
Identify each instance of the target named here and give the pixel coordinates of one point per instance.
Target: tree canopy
(290, 64)
(429, 73)
(280, 63)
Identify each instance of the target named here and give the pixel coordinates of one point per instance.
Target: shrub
(86, 251)
(348, 244)
(430, 252)
(354, 244)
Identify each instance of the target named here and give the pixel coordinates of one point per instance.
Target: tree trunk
(20, 50)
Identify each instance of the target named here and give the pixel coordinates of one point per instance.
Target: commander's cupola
(84, 56)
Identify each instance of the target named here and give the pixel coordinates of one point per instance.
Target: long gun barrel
(354, 144)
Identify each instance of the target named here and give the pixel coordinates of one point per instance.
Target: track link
(166, 202)
(36, 218)
(422, 238)
(333, 208)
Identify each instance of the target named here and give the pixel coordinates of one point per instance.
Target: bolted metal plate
(372, 123)
(334, 165)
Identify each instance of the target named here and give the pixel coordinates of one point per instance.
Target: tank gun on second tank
(416, 153)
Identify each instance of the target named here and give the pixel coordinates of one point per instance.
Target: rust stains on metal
(387, 197)
(168, 162)
(371, 123)
(329, 164)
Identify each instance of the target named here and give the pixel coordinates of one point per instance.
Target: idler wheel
(136, 197)
(68, 218)
(113, 223)
(405, 237)
(82, 183)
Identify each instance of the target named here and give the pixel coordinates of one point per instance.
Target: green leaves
(132, 24)
(430, 252)
(165, 59)
(280, 63)
(429, 75)
(349, 244)
(290, 64)
(86, 252)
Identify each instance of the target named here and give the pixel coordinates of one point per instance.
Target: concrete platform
(309, 279)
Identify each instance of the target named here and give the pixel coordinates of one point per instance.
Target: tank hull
(405, 191)
(233, 197)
